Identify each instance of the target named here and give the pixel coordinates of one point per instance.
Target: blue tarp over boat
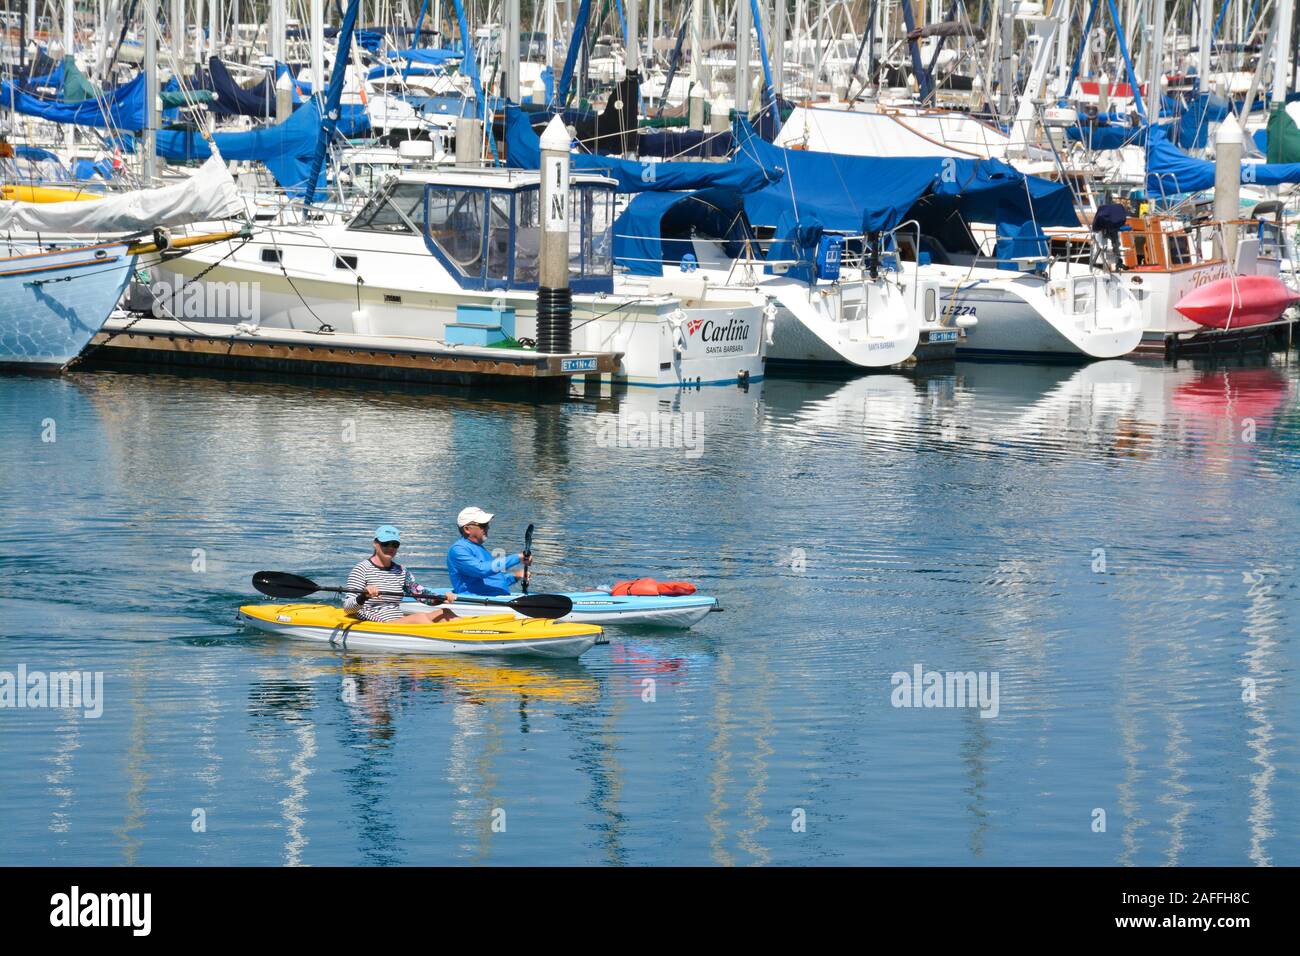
(430, 56)
(859, 195)
(286, 149)
(655, 228)
(524, 151)
(862, 194)
(121, 108)
(1170, 170)
(1107, 135)
(235, 99)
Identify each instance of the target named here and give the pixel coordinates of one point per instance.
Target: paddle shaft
(278, 584)
(528, 554)
(399, 595)
(433, 599)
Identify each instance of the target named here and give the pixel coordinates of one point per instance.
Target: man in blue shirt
(471, 567)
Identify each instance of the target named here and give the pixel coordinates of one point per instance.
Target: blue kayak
(601, 607)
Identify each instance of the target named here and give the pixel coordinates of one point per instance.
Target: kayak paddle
(279, 584)
(528, 553)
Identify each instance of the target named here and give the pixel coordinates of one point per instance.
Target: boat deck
(150, 341)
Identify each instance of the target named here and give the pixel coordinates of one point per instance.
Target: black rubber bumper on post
(554, 320)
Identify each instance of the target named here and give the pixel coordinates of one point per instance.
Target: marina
(650, 433)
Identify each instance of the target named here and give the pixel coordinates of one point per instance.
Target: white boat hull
(680, 617)
(1018, 317)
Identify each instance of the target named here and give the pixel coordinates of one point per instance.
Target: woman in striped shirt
(380, 579)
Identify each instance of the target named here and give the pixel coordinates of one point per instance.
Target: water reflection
(1263, 618)
(950, 517)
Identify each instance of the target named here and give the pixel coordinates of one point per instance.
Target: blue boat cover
(235, 99)
(35, 153)
(286, 149)
(655, 228)
(89, 169)
(524, 151)
(121, 108)
(863, 194)
(1191, 129)
(389, 69)
(433, 57)
(687, 143)
(1170, 170)
(1107, 135)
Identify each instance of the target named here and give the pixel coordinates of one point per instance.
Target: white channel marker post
(554, 298)
(1227, 182)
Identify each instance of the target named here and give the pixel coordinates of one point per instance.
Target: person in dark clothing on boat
(1110, 220)
(379, 577)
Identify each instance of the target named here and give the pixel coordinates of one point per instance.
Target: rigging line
(183, 285)
(324, 326)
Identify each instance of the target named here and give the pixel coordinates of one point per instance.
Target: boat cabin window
(1180, 250)
(528, 236)
(456, 225)
(493, 237)
(385, 212)
(594, 212)
(1272, 239)
(498, 237)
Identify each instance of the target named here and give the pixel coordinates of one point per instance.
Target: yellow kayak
(19, 193)
(479, 634)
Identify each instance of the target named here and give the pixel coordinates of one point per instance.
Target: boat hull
(1026, 321)
(53, 303)
(644, 331)
(863, 325)
(599, 607)
(495, 635)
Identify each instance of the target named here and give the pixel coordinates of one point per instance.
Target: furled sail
(209, 194)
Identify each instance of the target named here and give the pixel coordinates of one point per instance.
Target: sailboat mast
(150, 137)
(632, 51)
(1206, 31)
(510, 42)
(1006, 43)
(317, 14)
(276, 44)
(743, 19)
(777, 53)
(1282, 59)
(1156, 62)
(176, 23)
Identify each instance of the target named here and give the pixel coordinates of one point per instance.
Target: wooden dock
(149, 341)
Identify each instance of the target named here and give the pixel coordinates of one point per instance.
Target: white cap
(472, 515)
(556, 136)
(1229, 131)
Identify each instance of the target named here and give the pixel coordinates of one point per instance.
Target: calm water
(1108, 541)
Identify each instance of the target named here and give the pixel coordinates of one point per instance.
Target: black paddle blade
(281, 585)
(540, 605)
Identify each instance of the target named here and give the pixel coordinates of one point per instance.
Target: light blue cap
(386, 532)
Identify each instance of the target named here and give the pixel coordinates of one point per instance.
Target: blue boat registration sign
(578, 365)
(942, 336)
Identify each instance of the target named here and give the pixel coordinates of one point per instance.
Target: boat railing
(916, 270)
(1164, 194)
